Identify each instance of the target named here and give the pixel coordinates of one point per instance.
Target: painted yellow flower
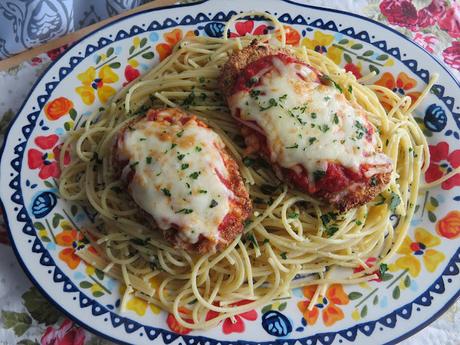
(420, 247)
(138, 305)
(93, 84)
(322, 43)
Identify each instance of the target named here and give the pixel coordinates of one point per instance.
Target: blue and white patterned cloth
(27, 23)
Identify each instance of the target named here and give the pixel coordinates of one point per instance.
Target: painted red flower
(400, 12)
(426, 41)
(442, 162)
(428, 16)
(355, 69)
(451, 55)
(450, 20)
(48, 161)
(131, 73)
(67, 334)
(235, 324)
(247, 27)
(53, 54)
(370, 262)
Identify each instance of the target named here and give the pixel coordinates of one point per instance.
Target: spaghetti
(292, 240)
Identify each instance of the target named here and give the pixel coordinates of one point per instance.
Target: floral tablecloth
(28, 318)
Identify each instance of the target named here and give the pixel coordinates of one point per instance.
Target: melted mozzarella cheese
(176, 176)
(307, 123)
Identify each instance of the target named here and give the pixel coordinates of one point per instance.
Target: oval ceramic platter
(421, 281)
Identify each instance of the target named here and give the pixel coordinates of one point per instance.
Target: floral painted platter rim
(168, 337)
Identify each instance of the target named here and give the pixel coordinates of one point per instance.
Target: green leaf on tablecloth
(20, 322)
(56, 219)
(40, 308)
(28, 342)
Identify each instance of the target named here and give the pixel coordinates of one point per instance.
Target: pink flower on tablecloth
(66, 334)
(451, 55)
(400, 12)
(428, 16)
(426, 41)
(450, 21)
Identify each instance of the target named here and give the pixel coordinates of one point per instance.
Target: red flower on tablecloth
(429, 16)
(450, 20)
(67, 334)
(48, 161)
(370, 262)
(426, 41)
(247, 27)
(442, 162)
(53, 54)
(451, 55)
(400, 12)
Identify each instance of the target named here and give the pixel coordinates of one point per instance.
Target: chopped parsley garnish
(350, 89)
(202, 191)
(185, 210)
(254, 93)
(358, 222)
(247, 222)
(293, 215)
(311, 140)
(382, 269)
(336, 119)
(248, 161)
(251, 81)
(328, 217)
(330, 231)
(394, 201)
(266, 241)
(148, 160)
(324, 128)
(173, 145)
(327, 98)
(313, 115)
(198, 149)
(268, 189)
(373, 181)
(166, 191)
(181, 157)
(179, 134)
(251, 238)
(283, 255)
(189, 100)
(195, 175)
(201, 80)
(282, 98)
(142, 139)
(184, 166)
(133, 165)
(213, 204)
(295, 146)
(271, 103)
(318, 174)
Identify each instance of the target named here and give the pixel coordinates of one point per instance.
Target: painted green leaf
(431, 217)
(368, 53)
(416, 208)
(131, 50)
(354, 295)
(357, 46)
(74, 210)
(372, 68)
(268, 307)
(56, 219)
(28, 342)
(396, 292)
(49, 184)
(347, 58)
(45, 239)
(143, 42)
(39, 226)
(73, 114)
(67, 126)
(20, 322)
(99, 274)
(98, 293)
(98, 59)
(382, 57)
(375, 300)
(364, 311)
(407, 281)
(39, 308)
(86, 284)
(115, 65)
(148, 55)
(343, 41)
(387, 276)
(434, 201)
(110, 52)
(282, 306)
